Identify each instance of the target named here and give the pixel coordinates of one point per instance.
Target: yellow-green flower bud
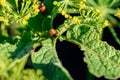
(106, 23)
(82, 5)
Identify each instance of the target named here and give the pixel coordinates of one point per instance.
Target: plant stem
(114, 34)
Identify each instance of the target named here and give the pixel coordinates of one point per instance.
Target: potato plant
(27, 31)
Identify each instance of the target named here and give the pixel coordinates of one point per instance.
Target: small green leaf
(46, 59)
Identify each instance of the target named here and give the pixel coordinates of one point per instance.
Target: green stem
(59, 62)
(54, 12)
(92, 2)
(63, 28)
(49, 18)
(53, 15)
(114, 34)
(114, 21)
(54, 44)
(112, 3)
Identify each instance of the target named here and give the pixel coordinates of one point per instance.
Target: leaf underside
(101, 58)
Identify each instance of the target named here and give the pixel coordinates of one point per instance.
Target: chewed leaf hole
(37, 48)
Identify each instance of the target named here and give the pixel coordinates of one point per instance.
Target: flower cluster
(32, 11)
(78, 7)
(118, 13)
(19, 15)
(76, 19)
(106, 23)
(65, 14)
(82, 5)
(62, 8)
(2, 2)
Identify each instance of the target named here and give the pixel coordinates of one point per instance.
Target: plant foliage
(25, 31)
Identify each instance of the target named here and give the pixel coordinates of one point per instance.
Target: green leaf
(38, 23)
(11, 69)
(20, 49)
(16, 67)
(84, 33)
(46, 59)
(5, 62)
(24, 46)
(7, 48)
(101, 58)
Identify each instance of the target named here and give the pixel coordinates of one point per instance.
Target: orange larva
(52, 32)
